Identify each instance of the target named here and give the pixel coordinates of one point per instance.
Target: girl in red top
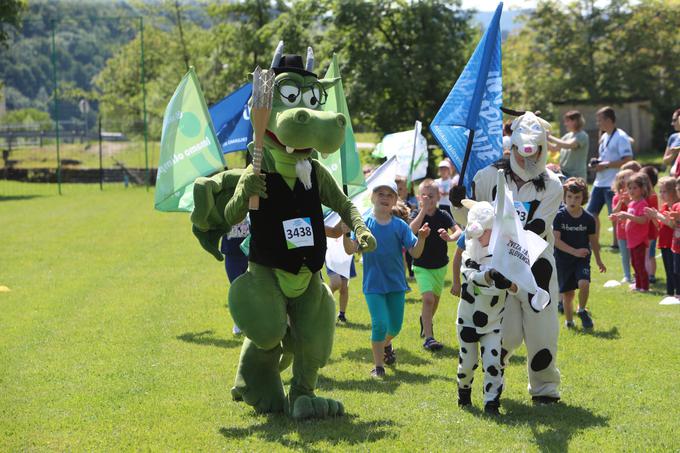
(653, 202)
(619, 204)
(666, 224)
(637, 228)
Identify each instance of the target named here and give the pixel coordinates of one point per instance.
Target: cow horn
(278, 53)
(310, 60)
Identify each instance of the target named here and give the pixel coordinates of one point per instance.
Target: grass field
(115, 336)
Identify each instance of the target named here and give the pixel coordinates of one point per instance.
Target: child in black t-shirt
(575, 237)
(430, 267)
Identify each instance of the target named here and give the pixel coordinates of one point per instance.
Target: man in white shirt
(614, 151)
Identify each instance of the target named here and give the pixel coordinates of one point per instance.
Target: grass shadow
(413, 298)
(404, 356)
(353, 325)
(394, 378)
(552, 425)
(338, 431)
(18, 197)
(611, 334)
(206, 338)
(517, 359)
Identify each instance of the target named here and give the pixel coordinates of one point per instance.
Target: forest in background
(398, 59)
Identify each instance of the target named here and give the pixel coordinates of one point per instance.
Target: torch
(263, 87)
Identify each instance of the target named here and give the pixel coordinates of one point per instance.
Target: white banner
(515, 249)
(401, 145)
(336, 259)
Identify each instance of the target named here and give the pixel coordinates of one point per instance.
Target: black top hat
(292, 63)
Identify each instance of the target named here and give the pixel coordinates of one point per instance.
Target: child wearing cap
(445, 182)
(384, 283)
(430, 268)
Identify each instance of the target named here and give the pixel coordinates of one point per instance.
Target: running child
(575, 238)
(430, 268)
(480, 310)
(384, 283)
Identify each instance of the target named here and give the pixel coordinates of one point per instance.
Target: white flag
(401, 145)
(515, 249)
(362, 200)
(336, 259)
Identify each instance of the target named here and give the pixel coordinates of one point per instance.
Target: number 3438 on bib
(298, 232)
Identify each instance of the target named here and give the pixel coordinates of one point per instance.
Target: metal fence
(71, 141)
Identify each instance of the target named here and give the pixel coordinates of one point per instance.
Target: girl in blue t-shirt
(384, 284)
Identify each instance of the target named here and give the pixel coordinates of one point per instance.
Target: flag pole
(468, 150)
(413, 156)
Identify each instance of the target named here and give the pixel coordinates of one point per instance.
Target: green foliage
(584, 52)
(115, 336)
(398, 59)
(27, 117)
(10, 17)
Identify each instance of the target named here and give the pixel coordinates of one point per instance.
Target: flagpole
(468, 151)
(413, 157)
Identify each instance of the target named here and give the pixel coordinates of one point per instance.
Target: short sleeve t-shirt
(637, 233)
(675, 245)
(611, 148)
(444, 186)
(384, 267)
(620, 224)
(435, 254)
(574, 231)
(665, 232)
(574, 162)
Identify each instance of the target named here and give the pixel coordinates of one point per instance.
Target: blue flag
(231, 118)
(474, 104)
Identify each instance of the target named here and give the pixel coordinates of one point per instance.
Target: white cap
(390, 184)
(445, 163)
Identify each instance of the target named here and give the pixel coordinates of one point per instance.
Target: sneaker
(544, 400)
(586, 320)
(235, 330)
(390, 356)
(560, 307)
(625, 280)
(464, 397)
(378, 372)
(569, 324)
(432, 345)
(652, 279)
(341, 318)
(491, 408)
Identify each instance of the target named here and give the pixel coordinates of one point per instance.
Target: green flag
(189, 147)
(344, 165)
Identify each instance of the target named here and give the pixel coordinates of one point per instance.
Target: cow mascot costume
(537, 193)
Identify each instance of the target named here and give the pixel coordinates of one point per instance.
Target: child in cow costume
(537, 193)
(480, 311)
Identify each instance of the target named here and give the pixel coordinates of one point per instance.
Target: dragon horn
(310, 60)
(278, 53)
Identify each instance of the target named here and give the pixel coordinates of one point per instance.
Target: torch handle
(254, 202)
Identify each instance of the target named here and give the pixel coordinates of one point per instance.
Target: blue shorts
(570, 271)
(352, 271)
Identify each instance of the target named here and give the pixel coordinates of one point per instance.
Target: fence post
(146, 134)
(101, 168)
(56, 101)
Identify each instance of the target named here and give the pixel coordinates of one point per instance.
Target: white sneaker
(235, 330)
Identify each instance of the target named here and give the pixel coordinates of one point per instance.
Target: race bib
(522, 209)
(298, 233)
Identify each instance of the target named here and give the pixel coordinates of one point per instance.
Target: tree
(583, 52)
(398, 59)
(10, 17)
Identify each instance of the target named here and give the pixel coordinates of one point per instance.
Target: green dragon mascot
(281, 303)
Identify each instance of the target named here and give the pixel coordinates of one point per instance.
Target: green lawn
(115, 336)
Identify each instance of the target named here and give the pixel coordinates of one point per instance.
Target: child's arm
(336, 231)
(595, 246)
(417, 249)
(444, 234)
(351, 245)
(417, 222)
(457, 261)
(566, 248)
(641, 219)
